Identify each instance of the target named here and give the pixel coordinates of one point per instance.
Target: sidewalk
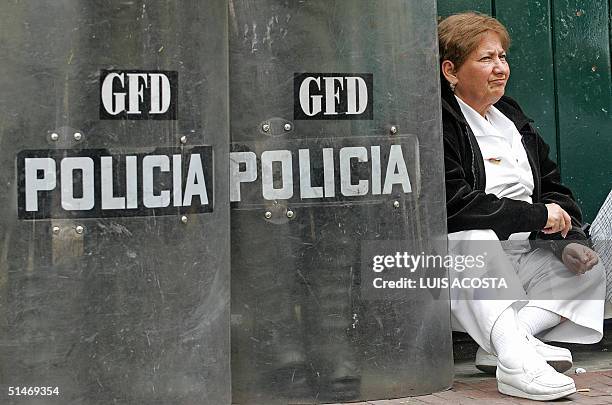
(474, 387)
(595, 387)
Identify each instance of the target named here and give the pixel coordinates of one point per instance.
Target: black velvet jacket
(469, 207)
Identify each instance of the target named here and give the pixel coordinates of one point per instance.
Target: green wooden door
(560, 63)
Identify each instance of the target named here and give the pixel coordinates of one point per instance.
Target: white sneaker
(558, 357)
(538, 383)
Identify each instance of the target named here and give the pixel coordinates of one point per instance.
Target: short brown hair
(459, 35)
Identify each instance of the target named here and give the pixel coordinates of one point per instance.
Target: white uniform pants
(535, 277)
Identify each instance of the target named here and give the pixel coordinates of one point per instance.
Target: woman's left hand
(579, 258)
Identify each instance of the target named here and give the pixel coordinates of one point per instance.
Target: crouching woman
(501, 185)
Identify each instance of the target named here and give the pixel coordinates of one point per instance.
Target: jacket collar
(511, 109)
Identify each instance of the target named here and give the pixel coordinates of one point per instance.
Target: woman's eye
(503, 57)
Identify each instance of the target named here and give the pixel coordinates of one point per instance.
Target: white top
(507, 169)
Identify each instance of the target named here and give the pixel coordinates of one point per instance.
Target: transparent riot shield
(336, 155)
(114, 250)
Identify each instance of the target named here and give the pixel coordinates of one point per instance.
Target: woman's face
(482, 78)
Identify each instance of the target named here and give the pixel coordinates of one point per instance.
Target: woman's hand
(579, 258)
(558, 220)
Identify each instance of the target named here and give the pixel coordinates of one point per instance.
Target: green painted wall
(448, 7)
(560, 74)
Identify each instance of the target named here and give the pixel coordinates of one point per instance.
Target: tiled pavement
(594, 388)
(474, 387)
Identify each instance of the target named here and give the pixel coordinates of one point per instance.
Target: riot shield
(114, 251)
(335, 153)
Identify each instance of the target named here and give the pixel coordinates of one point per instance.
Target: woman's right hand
(558, 220)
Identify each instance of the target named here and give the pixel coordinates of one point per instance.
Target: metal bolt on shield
(56, 230)
(290, 214)
(265, 127)
(184, 219)
(393, 130)
(287, 127)
(77, 136)
(396, 204)
(268, 215)
(183, 139)
(54, 136)
(79, 229)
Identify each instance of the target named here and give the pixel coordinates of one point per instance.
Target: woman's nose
(500, 66)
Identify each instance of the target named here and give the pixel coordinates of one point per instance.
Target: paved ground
(594, 388)
(474, 387)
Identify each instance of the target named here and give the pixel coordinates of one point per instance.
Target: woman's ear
(448, 70)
